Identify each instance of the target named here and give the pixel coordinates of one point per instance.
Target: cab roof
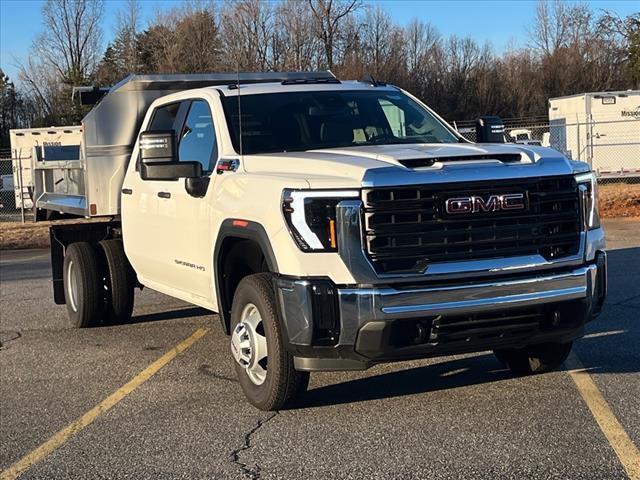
(261, 88)
(245, 82)
(188, 81)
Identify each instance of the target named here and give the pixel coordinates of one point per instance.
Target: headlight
(311, 217)
(588, 188)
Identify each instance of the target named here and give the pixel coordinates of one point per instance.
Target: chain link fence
(611, 148)
(15, 194)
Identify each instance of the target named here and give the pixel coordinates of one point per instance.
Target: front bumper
(350, 328)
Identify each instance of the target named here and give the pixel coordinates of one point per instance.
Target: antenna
(239, 111)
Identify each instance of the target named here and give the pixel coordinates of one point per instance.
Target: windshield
(298, 121)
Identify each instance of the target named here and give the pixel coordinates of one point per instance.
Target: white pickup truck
(332, 225)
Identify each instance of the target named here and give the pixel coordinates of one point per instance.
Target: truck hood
(354, 167)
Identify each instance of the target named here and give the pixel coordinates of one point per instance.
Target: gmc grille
(406, 228)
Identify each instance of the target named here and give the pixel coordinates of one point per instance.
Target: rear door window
(164, 117)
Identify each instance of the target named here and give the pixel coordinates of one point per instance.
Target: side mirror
(159, 160)
(489, 129)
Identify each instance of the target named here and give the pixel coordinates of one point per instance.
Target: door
(168, 231)
(190, 239)
(144, 223)
(615, 133)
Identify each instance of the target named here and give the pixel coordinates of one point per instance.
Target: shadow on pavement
(170, 315)
(430, 378)
(612, 336)
(463, 372)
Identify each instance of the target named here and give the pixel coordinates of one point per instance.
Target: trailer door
(615, 134)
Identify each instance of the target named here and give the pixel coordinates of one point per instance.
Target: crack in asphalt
(8, 336)
(252, 473)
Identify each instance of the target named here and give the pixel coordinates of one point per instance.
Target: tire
(535, 358)
(281, 383)
(119, 282)
(83, 285)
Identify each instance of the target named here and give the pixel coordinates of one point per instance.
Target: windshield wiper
(379, 139)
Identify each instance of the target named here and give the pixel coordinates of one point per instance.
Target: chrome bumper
(363, 313)
(359, 306)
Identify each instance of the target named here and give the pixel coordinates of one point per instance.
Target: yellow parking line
(626, 451)
(105, 405)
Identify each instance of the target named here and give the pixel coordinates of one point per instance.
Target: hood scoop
(428, 162)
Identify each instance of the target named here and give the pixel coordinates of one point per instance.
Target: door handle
(127, 191)
(164, 194)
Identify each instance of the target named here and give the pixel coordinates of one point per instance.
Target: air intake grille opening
(406, 228)
(428, 162)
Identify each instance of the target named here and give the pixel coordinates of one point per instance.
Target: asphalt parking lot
(450, 417)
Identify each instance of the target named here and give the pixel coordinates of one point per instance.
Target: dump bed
(90, 184)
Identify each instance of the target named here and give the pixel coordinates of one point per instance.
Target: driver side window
(198, 137)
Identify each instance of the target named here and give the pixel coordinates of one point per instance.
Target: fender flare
(247, 230)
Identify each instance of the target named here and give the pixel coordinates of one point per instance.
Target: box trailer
(600, 128)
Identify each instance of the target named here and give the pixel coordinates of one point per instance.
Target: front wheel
(264, 367)
(534, 358)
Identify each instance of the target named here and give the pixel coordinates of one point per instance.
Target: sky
(501, 23)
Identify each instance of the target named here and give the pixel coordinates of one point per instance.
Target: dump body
(602, 129)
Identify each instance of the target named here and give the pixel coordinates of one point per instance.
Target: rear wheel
(82, 285)
(535, 358)
(265, 369)
(119, 281)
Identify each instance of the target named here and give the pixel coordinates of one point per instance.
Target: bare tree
(122, 56)
(293, 24)
(421, 38)
(329, 15)
(247, 27)
(71, 38)
(572, 48)
(551, 26)
(126, 35)
(64, 54)
(377, 39)
(623, 34)
(198, 39)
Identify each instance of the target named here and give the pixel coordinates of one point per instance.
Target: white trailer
(52, 144)
(600, 128)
